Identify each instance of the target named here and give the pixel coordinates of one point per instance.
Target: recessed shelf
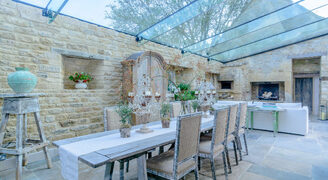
(94, 67)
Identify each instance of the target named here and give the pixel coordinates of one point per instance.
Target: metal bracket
(141, 41)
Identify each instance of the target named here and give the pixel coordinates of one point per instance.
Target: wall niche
(94, 67)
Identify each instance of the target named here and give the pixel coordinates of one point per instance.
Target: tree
(133, 16)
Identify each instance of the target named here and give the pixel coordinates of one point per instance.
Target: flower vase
(165, 122)
(125, 132)
(81, 85)
(22, 81)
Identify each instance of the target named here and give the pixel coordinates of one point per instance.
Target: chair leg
(235, 150)
(196, 174)
(121, 170)
(225, 165)
(197, 159)
(213, 168)
(199, 163)
(228, 159)
(127, 166)
(239, 146)
(245, 144)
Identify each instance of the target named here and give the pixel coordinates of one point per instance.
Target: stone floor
(285, 157)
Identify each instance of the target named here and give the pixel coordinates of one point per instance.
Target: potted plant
(165, 115)
(81, 79)
(195, 106)
(125, 113)
(184, 94)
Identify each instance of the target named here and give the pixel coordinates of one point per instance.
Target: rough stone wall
(26, 39)
(277, 65)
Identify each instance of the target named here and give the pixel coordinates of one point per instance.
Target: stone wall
(277, 65)
(26, 39)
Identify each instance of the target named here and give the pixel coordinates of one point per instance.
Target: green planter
(22, 81)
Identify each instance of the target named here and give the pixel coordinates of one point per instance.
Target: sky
(89, 10)
(94, 10)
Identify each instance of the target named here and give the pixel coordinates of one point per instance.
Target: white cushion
(291, 120)
(289, 105)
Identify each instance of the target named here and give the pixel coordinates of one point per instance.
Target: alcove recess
(95, 67)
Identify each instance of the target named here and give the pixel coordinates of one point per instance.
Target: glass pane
(134, 16)
(184, 14)
(303, 33)
(280, 27)
(216, 18)
(54, 5)
(39, 3)
(272, 18)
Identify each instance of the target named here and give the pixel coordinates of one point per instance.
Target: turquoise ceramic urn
(22, 81)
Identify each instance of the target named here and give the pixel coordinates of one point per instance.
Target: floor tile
(275, 173)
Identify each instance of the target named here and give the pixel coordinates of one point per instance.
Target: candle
(196, 93)
(213, 92)
(208, 92)
(130, 94)
(148, 93)
(157, 94)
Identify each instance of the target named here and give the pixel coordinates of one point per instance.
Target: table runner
(70, 153)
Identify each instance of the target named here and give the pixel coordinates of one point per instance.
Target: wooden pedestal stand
(20, 105)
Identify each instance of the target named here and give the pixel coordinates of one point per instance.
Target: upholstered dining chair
(240, 129)
(112, 121)
(231, 133)
(211, 148)
(175, 164)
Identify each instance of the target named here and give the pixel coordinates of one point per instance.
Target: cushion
(230, 138)
(289, 105)
(205, 147)
(163, 163)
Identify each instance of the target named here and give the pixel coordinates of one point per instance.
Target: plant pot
(22, 81)
(165, 122)
(125, 132)
(81, 85)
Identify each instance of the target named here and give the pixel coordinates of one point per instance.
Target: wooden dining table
(108, 156)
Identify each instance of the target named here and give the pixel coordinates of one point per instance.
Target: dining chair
(112, 121)
(231, 134)
(240, 129)
(175, 164)
(211, 148)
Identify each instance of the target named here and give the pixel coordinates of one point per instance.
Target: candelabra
(142, 101)
(205, 93)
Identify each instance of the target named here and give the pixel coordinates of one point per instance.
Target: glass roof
(222, 30)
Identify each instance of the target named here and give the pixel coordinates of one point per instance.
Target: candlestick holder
(205, 96)
(142, 102)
